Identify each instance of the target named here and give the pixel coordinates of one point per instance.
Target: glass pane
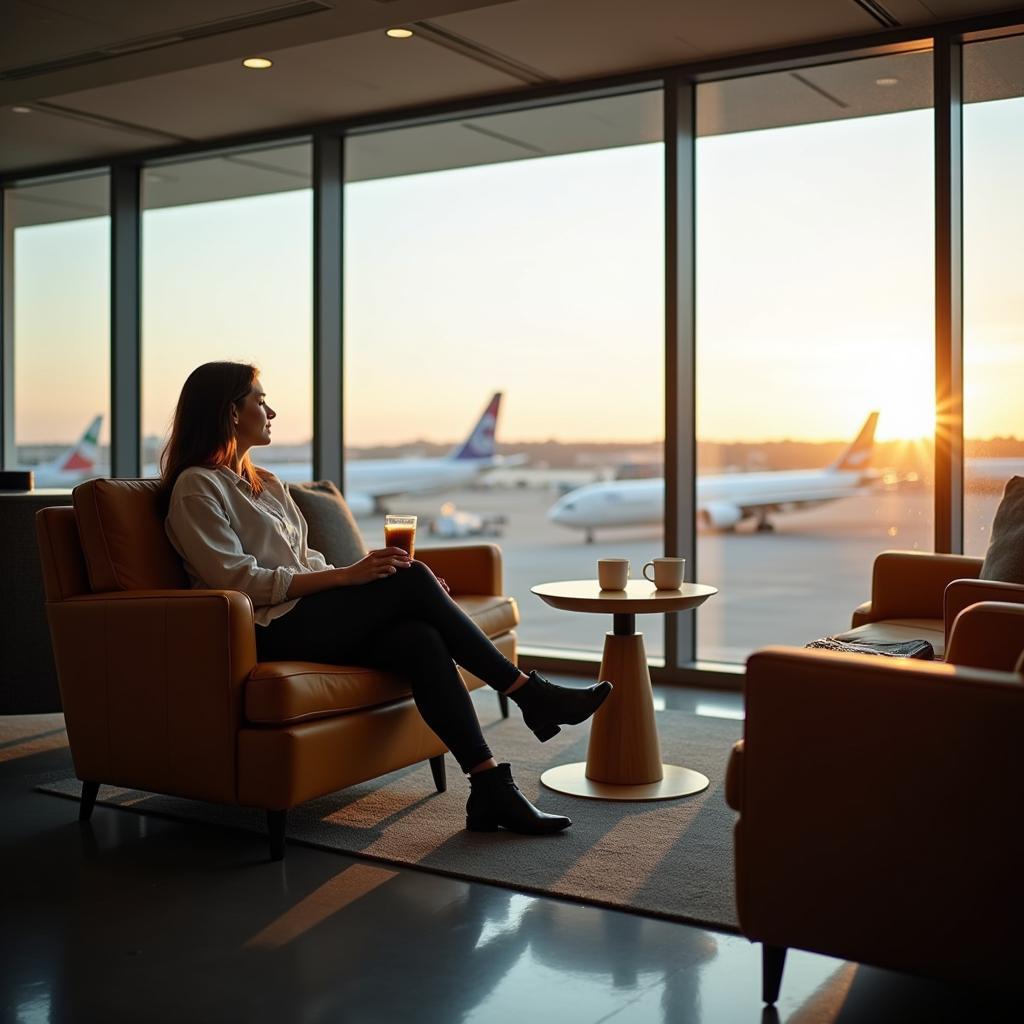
(993, 296)
(227, 274)
(815, 310)
(59, 242)
(519, 254)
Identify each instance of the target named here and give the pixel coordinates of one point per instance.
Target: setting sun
(904, 413)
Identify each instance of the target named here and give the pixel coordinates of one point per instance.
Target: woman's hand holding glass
(376, 565)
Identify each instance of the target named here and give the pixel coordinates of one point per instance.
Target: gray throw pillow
(332, 527)
(1004, 560)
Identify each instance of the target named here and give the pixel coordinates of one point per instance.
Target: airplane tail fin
(480, 443)
(83, 455)
(857, 455)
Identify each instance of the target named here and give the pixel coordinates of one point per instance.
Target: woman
(236, 527)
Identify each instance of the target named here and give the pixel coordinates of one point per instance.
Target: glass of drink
(400, 532)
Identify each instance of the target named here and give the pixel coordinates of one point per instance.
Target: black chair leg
(437, 769)
(276, 821)
(503, 704)
(773, 961)
(89, 791)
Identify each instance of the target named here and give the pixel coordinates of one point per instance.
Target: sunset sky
(544, 278)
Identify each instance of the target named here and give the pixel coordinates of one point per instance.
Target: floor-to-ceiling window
(57, 249)
(520, 254)
(814, 312)
(993, 289)
(227, 274)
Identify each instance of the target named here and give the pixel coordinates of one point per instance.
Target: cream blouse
(231, 539)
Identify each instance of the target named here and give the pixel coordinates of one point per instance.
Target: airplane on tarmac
(77, 463)
(723, 500)
(369, 482)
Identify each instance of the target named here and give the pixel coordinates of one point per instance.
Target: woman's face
(252, 418)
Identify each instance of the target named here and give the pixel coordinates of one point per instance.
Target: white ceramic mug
(668, 572)
(612, 573)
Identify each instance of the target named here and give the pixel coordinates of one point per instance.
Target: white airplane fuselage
(722, 500)
(411, 476)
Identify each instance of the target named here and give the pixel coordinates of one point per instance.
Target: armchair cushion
(286, 692)
(898, 631)
(493, 614)
(121, 528)
(1004, 560)
(332, 527)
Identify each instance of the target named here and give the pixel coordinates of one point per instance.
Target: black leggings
(404, 623)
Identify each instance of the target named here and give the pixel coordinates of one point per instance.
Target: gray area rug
(670, 859)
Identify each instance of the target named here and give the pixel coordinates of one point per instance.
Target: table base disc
(572, 779)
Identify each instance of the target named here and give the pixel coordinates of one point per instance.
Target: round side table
(624, 755)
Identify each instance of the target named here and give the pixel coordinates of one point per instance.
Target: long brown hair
(202, 433)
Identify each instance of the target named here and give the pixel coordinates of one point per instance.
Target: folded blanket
(920, 649)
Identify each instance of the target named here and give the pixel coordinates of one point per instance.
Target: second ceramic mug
(668, 572)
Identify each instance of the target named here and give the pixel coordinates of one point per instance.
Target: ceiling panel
(56, 28)
(134, 19)
(335, 78)
(577, 38)
(34, 33)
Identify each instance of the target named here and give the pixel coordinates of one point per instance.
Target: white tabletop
(638, 597)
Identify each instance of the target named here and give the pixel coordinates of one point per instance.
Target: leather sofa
(878, 801)
(160, 684)
(917, 595)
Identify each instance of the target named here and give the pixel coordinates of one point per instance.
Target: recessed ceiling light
(399, 33)
(887, 81)
(21, 110)
(257, 62)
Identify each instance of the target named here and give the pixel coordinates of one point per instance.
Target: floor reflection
(137, 918)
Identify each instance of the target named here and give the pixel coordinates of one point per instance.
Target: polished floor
(139, 919)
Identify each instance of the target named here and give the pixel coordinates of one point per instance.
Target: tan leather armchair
(879, 803)
(917, 595)
(160, 684)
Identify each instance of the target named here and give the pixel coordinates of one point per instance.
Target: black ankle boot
(495, 801)
(546, 706)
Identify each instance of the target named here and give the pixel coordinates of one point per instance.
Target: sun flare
(905, 413)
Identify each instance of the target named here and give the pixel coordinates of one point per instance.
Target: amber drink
(400, 532)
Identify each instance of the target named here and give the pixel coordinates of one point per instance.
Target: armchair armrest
(861, 615)
(989, 634)
(869, 785)
(151, 683)
(961, 594)
(911, 584)
(467, 568)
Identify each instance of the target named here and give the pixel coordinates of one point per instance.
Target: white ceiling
(336, 62)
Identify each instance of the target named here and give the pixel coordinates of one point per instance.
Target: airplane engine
(720, 516)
